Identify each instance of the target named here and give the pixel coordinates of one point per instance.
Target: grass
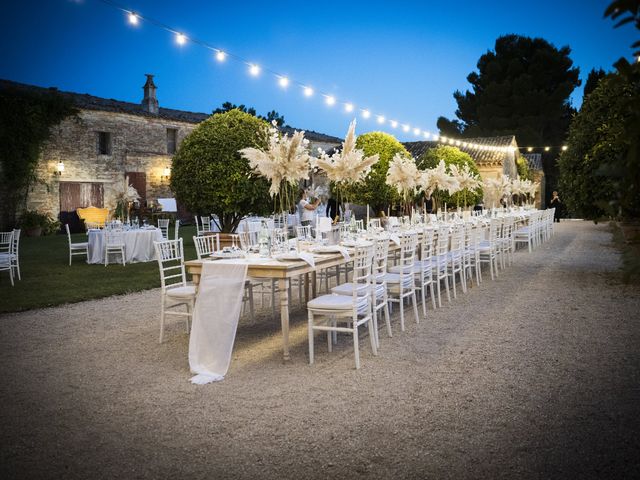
(48, 280)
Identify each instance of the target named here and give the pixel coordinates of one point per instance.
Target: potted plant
(35, 223)
(210, 176)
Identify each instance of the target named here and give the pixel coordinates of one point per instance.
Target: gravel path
(535, 375)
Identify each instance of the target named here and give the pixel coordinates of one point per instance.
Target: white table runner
(215, 319)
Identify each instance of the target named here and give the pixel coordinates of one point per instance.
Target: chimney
(150, 102)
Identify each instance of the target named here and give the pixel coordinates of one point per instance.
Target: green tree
(374, 191)
(452, 156)
(209, 175)
(521, 88)
(26, 118)
(593, 178)
(523, 168)
(592, 81)
(271, 116)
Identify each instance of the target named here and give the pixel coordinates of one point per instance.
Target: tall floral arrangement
(285, 162)
(436, 180)
(467, 180)
(403, 175)
(125, 195)
(347, 166)
(496, 189)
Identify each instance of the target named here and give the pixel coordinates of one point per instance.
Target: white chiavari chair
(78, 248)
(353, 310)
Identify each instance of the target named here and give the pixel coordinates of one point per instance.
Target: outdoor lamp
(166, 173)
(59, 168)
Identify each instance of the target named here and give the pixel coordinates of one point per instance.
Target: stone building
(108, 141)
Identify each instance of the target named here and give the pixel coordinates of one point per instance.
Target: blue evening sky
(402, 59)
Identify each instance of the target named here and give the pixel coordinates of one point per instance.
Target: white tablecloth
(138, 246)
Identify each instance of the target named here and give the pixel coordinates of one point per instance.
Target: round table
(138, 245)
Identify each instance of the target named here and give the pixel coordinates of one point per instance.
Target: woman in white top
(306, 209)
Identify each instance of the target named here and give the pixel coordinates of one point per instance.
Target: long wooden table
(282, 271)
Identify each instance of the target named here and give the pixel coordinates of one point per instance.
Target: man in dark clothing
(557, 204)
(332, 208)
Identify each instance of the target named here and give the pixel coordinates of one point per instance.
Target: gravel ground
(534, 375)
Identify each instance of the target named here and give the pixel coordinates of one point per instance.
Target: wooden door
(139, 181)
(75, 195)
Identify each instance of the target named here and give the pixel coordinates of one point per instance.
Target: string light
(254, 70)
(284, 82)
(546, 149)
(564, 148)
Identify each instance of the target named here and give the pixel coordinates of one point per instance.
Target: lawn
(47, 278)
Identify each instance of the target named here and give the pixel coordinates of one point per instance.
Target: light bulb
(380, 119)
(133, 18)
(330, 100)
(546, 149)
(221, 56)
(435, 137)
(394, 124)
(406, 128)
(181, 39)
(416, 131)
(366, 113)
(564, 147)
(529, 149)
(254, 70)
(348, 107)
(284, 82)
(308, 91)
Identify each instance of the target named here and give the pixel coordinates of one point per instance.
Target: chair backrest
(381, 256)
(206, 223)
(177, 231)
(408, 243)
(6, 242)
(113, 238)
(362, 267)
(170, 256)
(66, 227)
(360, 225)
(303, 231)
(93, 225)
(16, 241)
(426, 245)
(206, 245)
(279, 240)
(163, 225)
(442, 243)
(457, 239)
(374, 223)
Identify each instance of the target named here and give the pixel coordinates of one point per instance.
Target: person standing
(332, 209)
(557, 204)
(306, 209)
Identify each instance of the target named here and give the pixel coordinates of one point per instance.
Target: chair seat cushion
(181, 292)
(401, 269)
(336, 302)
(347, 289)
(393, 279)
(80, 245)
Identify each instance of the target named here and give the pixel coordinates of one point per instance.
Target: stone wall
(138, 144)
